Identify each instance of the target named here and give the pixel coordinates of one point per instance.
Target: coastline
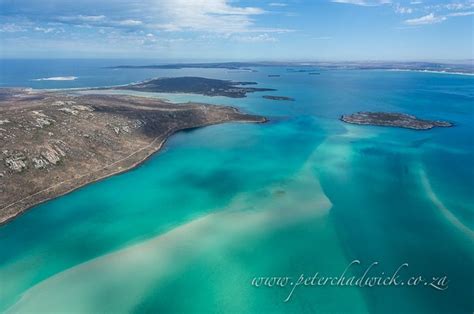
(71, 185)
(160, 120)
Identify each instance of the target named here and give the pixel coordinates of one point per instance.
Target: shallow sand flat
(147, 266)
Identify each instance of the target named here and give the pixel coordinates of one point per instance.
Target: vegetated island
(52, 143)
(278, 98)
(195, 85)
(400, 120)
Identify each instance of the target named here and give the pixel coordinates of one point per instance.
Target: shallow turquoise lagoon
(189, 229)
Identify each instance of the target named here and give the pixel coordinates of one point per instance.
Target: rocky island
(278, 98)
(195, 85)
(52, 143)
(392, 119)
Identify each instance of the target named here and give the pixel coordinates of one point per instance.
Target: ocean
(192, 228)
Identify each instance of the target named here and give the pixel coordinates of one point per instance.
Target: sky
(233, 30)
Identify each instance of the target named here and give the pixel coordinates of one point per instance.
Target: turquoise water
(189, 229)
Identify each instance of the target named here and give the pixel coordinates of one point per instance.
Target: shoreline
(431, 72)
(151, 149)
(159, 121)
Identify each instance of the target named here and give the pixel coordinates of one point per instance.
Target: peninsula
(195, 85)
(400, 120)
(52, 143)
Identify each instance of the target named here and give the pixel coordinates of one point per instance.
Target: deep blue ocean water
(189, 229)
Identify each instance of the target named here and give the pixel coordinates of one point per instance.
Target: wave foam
(432, 71)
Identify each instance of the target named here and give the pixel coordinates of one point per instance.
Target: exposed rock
(58, 103)
(82, 108)
(69, 110)
(42, 122)
(39, 163)
(16, 162)
(53, 154)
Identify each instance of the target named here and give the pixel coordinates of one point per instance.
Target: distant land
(392, 119)
(52, 143)
(195, 85)
(464, 67)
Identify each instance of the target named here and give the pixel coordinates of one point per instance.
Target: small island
(273, 75)
(55, 142)
(278, 98)
(392, 119)
(195, 85)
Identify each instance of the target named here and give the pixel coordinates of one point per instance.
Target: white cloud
(130, 22)
(256, 38)
(152, 23)
(366, 3)
(87, 18)
(460, 6)
(403, 10)
(434, 19)
(427, 19)
(11, 28)
(453, 6)
(44, 30)
(462, 13)
(277, 4)
(205, 15)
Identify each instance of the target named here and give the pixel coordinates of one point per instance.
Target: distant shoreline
(428, 67)
(431, 71)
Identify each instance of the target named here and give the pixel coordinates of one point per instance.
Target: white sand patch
(57, 78)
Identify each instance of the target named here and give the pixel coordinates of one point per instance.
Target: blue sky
(238, 30)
